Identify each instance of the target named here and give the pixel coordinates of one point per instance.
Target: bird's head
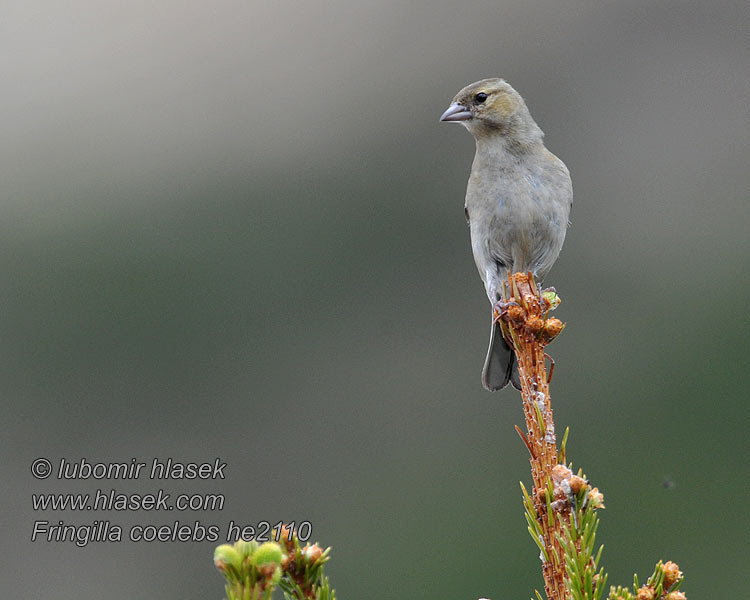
(492, 107)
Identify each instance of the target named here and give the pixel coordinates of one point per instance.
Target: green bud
(268, 553)
(553, 299)
(245, 549)
(226, 557)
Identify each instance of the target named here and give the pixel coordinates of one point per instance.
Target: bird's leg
(500, 309)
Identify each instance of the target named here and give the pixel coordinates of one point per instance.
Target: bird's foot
(500, 309)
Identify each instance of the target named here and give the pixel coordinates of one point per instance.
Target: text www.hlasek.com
(112, 500)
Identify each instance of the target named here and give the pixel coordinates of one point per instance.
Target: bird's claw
(500, 309)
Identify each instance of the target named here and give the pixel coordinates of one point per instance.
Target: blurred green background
(235, 230)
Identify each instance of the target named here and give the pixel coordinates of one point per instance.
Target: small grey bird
(517, 201)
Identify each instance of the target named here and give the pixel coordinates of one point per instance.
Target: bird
(518, 202)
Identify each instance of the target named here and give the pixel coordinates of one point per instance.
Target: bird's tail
(500, 366)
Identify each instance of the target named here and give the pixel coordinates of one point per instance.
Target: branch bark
(526, 326)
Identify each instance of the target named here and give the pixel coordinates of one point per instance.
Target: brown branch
(527, 329)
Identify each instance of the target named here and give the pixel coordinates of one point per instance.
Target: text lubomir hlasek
(132, 469)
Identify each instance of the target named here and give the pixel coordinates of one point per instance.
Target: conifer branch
(561, 510)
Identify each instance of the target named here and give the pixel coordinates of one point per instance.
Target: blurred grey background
(235, 230)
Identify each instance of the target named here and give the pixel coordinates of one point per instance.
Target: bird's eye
(480, 97)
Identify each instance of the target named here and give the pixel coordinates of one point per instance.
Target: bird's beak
(456, 112)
